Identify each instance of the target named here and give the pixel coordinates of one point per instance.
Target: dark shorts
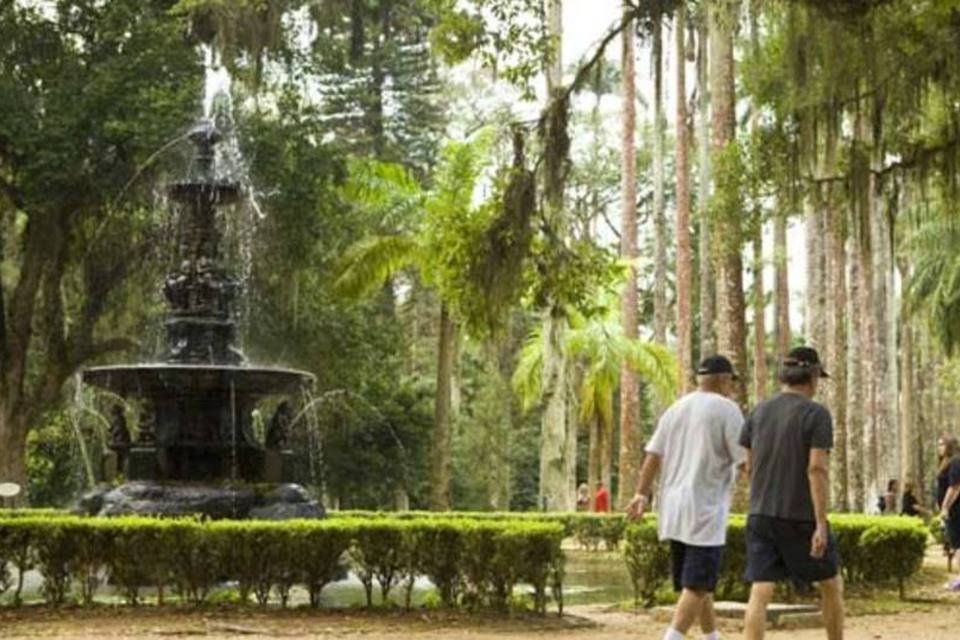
(952, 532)
(693, 567)
(779, 550)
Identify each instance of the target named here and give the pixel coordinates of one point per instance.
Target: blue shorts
(779, 550)
(695, 568)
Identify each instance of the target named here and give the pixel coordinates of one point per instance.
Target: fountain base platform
(229, 501)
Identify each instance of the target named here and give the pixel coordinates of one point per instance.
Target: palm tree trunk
(836, 325)
(556, 488)
(593, 457)
(855, 387)
(708, 296)
(867, 317)
(441, 469)
(630, 440)
(728, 239)
(908, 468)
(759, 319)
(554, 491)
(814, 316)
(866, 314)
(684, 249)
(781, 283)
(659, 215)
(885, 321)
(606, 447)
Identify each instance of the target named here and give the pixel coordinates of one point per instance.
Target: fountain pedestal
(196, 451)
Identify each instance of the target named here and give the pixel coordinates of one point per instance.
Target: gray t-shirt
(696, 440)
(780, 432)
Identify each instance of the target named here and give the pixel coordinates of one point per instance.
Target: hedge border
(472, 563)
(872, 549)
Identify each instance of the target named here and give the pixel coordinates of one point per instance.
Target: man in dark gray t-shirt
(792, 424)
(788, 438)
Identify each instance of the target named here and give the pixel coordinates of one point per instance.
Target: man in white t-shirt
(695, 448)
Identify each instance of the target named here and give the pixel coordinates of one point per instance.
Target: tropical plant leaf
(367, 264)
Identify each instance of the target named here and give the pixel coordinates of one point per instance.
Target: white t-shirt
(697, 441)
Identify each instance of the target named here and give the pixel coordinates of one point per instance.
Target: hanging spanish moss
(497, 267)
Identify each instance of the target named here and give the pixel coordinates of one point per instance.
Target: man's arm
(648, 473)
(818, 474)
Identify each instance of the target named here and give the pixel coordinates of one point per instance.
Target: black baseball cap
(715, 365)
(804, 357)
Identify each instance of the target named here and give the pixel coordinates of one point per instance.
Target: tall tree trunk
(13, 449)
(659, 215)
(727, 232)
(594, 449)
(908, 468)
(555, 494)
(814, 316)
(557, 490)
(759, 295)
(684, 249)
(708, 296)
(814, 313)
(441, 468)
(781, 283)
(759, 319)
(606, 447)
(630, 439)
(855, 387)
(887, 331)
(836, 325)
(866, 311)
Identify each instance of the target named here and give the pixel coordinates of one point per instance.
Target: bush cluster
(590, 530)
(873, 550)
(472, 563)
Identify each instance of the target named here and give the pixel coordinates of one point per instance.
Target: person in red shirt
(601, 502)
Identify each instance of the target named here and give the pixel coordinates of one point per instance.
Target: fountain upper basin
(148, 379)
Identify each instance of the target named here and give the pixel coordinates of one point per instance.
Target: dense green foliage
(473, 563)
(873, 550)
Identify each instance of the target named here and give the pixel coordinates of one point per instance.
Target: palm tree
(445, 212)
(629, 391)
(727, 201)
(684, 248)
(601, 350)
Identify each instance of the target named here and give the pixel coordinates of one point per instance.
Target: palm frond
(657, 366)
(367, 264)
(377, 185)
(528, 376)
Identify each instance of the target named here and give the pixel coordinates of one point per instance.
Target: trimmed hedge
(590, 530)
(472, 563)
(873, 550)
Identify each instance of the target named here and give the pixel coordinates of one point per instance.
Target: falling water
(240, 224)
(75, 414)
(314, 438)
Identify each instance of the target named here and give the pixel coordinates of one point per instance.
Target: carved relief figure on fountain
(278, 431)
(120, 439)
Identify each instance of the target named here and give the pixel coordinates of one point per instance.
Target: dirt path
(941, 623)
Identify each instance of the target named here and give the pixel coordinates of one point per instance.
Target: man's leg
(831, 598)
(708, 618)
(755, 622)
(689, 608)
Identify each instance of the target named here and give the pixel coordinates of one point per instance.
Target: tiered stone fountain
(195, 451)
